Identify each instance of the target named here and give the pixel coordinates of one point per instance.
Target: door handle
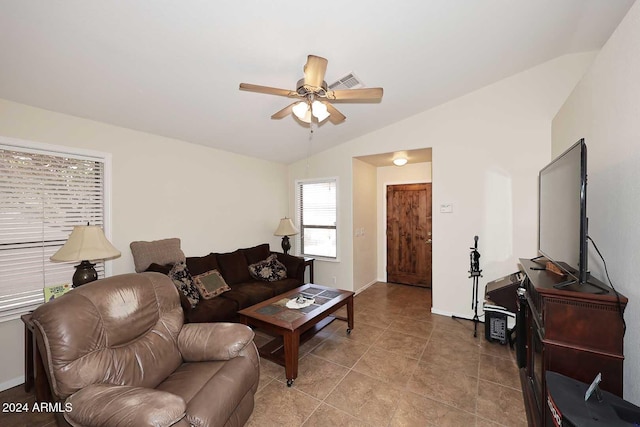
(428, 241)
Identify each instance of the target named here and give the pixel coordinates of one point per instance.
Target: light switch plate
(446, 208)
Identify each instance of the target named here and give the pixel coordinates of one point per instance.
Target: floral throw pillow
(268, 270)
(184, 282)
(211, 284)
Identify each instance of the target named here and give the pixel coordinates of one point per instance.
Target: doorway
(409, 234)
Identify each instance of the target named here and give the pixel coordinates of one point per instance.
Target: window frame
(298, 216)
(41, 148)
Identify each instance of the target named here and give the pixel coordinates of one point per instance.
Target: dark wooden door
(409, 234)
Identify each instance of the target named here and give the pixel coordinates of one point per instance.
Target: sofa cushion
(284, 285)
(157, 268)
(257, 253)
(220, 309)
(240, 299)
(268, 270)
(210, 284)
(234, 267)
(255, 292)
(201, 264)
(179, 273)
(166, 251)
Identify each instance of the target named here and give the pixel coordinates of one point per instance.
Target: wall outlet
(333, 279)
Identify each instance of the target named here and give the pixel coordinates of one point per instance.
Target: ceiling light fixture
(319, 110)
(303, 110)
(400, 161)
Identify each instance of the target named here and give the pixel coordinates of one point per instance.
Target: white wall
(392, 175)
(487, 148)
(364, 231)
(213, 200)
(605, 110)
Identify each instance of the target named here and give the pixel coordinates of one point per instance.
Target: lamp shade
(286, 228)
(319, 111)
(300, 109)
(86, 242)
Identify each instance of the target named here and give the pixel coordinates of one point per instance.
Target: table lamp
(286, 229)
(86, 242)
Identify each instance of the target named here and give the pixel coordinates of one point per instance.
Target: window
(43, 194)
(317, 215)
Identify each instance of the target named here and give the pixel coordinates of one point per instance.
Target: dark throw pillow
(157, 268)
(211, 284)
(268, 270)
(179, 273)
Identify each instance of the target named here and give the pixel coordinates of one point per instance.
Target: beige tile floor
(400, 366)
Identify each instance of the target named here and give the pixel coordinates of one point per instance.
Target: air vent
(350, 81)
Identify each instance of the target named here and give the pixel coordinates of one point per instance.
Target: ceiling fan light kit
(314, 96)
(303, 111)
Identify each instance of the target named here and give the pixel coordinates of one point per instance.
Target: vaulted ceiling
(172, 68)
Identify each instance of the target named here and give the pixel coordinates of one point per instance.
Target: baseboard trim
(11, 383)
(440, 312)
(464, 316)
(366, 286)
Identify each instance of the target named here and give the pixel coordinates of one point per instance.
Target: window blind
(317, 217)
(42, 196)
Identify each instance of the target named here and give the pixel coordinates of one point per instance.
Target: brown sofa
(116, 352)
(159, 256)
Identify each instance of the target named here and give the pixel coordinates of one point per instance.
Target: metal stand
(474, 273)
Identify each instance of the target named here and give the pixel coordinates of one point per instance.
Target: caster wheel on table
(348, 331)
(289, 383)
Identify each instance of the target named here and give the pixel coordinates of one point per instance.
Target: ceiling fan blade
(355, 94)
(268, 90)
(284, 112)
(314, 71)
(335, 115)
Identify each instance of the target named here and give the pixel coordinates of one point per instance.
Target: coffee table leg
(349, 314)
(291, 349)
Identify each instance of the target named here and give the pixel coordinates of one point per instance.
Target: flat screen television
(562, 212)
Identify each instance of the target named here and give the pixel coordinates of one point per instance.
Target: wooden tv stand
(574, 331)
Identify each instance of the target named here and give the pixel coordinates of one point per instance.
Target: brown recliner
(118, 354)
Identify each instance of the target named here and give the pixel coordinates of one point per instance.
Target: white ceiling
(172, 68)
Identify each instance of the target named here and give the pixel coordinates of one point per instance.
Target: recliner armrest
(199, 342)
(116, 405)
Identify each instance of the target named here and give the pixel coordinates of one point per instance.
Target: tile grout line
(349, 370)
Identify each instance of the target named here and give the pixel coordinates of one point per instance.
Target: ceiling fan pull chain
(310, 147)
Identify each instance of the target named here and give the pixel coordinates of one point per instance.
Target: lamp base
(285, 244)
(85, 273)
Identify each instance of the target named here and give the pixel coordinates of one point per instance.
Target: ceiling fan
(313, 96)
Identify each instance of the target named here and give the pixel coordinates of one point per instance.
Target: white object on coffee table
(294, 304)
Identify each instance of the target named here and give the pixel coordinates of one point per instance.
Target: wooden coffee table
(294, 326)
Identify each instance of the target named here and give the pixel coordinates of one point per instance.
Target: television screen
(562, 211)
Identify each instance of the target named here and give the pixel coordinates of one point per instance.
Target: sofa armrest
(295, 265)
(199, 342)
(116, 405)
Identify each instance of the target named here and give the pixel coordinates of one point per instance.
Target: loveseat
(116, 352)
(243, 290)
